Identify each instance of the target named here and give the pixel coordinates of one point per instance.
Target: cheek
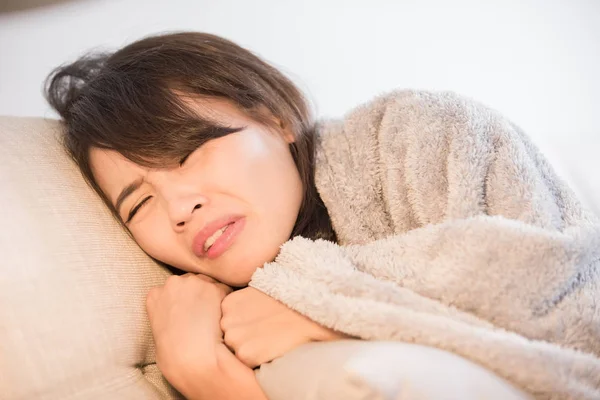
(270, 187)
(153, 238)
(275, 191)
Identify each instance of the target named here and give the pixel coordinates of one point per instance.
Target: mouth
(218, 236)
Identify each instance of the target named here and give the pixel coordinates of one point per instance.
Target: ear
(288, 136)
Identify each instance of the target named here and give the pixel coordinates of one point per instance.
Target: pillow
(353, 370)
(72, 283)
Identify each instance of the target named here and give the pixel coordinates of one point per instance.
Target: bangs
(147, 122)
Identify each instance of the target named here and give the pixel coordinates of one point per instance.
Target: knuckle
(172, 280)
(225, 323)
(226, 305)
(231, 339)
(212, 290)
(246, 355)
(232, 299)
(153, 294)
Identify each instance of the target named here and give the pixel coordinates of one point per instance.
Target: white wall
(538, 61)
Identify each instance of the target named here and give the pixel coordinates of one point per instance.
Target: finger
(237, 309)
(228, 341)
(247, 355)
(230, 321)
(228, 303)
(233, 299)
(154, 292)
(227, 289)
(246, 346)
(231, 317)
(229, 346)
(152, 296)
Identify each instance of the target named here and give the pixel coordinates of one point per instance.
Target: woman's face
(246, 179)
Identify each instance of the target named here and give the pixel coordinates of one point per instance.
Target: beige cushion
(72, 284)
(353, 370)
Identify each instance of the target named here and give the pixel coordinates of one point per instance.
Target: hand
(259, 329)
(184, 316)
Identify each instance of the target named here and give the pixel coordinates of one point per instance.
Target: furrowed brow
(126, 192)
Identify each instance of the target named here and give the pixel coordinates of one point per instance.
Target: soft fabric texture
(73, 285)
(455, 233)
(376, 370)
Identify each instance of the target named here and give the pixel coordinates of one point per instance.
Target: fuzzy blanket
(454, 232)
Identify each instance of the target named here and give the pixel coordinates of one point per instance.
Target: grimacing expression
(249, 174)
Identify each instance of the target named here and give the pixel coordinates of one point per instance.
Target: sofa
(72, 305)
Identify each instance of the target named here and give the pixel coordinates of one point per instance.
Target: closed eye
(135, 209)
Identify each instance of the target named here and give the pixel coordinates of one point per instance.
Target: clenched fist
(258, 328)
(184, 315)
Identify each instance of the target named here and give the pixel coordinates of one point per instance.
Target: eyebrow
(126, 192)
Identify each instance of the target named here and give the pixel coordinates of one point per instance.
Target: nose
(181, 210)
(181, 198)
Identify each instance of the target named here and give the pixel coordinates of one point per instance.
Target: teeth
(211, 240)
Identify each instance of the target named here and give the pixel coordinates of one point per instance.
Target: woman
(204, 153)
(207, 156)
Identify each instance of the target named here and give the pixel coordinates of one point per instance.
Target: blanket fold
(454, 232)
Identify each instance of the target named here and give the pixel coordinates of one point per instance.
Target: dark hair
(130, 101)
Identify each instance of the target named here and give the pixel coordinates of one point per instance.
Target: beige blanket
(454, 232)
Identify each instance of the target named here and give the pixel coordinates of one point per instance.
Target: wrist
(191, 377)
(325, 334)
(240, 382)
(222, 377)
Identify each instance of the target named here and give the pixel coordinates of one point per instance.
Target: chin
(239, 277)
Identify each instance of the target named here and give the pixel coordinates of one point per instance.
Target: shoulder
(412, 108)
(407, 116)
(427, 104)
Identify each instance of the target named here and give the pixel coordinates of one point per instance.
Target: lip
(210, 228)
